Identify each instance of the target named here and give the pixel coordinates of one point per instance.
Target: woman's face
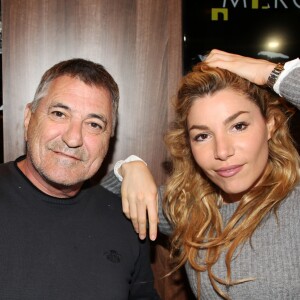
(229, 141)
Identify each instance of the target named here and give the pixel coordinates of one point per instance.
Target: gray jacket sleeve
(164, 226)
(112, 183)
(290, 87)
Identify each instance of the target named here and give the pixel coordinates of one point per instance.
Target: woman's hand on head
(139, 198)
(252, 69)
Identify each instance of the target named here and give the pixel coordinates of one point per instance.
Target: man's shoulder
(102, 191)
(7, 170)
(6, 165)
(103, 197)
(106, 207)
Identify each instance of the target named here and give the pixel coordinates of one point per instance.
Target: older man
(61, 237)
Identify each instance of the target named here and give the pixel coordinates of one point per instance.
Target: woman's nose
(224, 147)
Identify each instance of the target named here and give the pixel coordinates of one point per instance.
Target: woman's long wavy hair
(191, 199)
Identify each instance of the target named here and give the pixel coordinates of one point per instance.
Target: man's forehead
(72, 91)
(68, 84)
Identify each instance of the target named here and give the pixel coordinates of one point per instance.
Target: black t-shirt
(77, 248)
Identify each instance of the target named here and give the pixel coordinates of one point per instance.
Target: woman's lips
(229, 171)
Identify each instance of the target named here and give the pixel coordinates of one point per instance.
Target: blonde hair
(191, 199)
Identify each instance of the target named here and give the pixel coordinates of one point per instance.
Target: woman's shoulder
(295, 192)
(292, 200)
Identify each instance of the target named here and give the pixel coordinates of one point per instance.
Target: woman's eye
(201, 137)
(240, 126)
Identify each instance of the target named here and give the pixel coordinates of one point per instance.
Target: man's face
(68, 134)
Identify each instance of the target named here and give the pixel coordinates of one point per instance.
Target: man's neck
(52, 189)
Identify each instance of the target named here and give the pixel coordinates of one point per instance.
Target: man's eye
(96, 126)
(58, 114)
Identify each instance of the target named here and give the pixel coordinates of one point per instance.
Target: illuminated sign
(222, 12)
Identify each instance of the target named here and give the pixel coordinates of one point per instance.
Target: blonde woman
(232, 202)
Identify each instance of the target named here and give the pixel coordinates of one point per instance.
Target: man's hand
(139, 197)
(252, 69)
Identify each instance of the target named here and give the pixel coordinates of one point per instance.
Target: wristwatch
(275, 74)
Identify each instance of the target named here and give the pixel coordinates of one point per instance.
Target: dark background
(246, 32)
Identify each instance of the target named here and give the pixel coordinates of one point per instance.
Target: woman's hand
(139, 197)
(252, 69)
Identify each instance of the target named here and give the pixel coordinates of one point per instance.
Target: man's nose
(73, 135)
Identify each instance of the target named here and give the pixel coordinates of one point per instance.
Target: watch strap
(274, 75)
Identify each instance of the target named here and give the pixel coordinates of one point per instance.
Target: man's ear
(27, 117)
(270, 126)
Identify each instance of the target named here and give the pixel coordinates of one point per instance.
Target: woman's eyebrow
(199, 127)
(227, 120)
(234, 116)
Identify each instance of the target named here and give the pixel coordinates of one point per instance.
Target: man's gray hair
(90, 73)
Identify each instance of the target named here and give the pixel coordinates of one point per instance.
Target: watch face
(266, 29)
